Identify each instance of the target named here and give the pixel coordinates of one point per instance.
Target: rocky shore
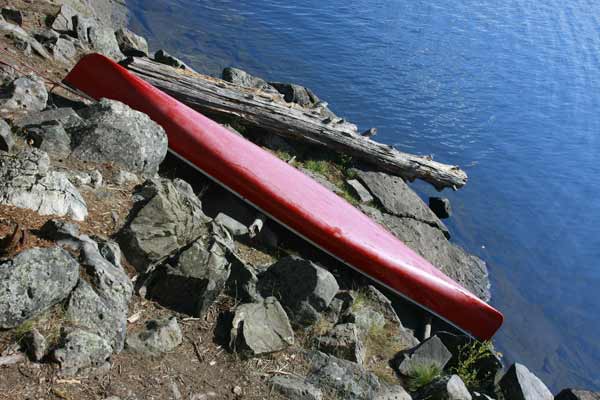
(124, 274)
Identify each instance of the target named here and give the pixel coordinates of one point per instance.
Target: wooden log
(269, 112)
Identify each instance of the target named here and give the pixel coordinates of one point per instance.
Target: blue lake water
(509, 90)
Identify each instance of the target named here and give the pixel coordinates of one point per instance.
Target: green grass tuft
(422, 375)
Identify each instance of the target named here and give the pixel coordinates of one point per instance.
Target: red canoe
(291, 198)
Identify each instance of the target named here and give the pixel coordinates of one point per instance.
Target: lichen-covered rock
(50, 137)
(63, 50)
(193, 280)
(343, 341)
(131, 44)
(293, 93)
(27, 93)
(361, 191)
(242, 78)
(63, 21)
(444, 388)
(83, 352)
(169, 220)
(304, 288)
(295, 388)
(113, 132)
(66, 116)
(346, 379)
(431, 352)
(22, 39)
(243, 280)
(518, 383)
(7, 142)
(34, 281)
(26, 182)
(261, 327)
(157, 337)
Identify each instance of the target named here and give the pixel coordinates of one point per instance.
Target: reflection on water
(509, 90)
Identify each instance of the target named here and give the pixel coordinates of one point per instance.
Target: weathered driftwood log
(272, 114)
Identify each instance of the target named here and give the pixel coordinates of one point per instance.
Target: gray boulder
(343, 341)
(7, 142)
(431, 352)
(518, 383)
(113, 132)
(295, 388)
(398, 198)
(131, 45)
(293, 93)
(26, 182)
(97, 36)
(304, 288)
(66, 116)
(163, 57)
(34, 281)
(63, 21)
(346, 379)
(22, 40)
(440, 207)
(169, 220)
(83, 352)
(27, 93)
(430, 243)
(361, 191)
(261, 328)
(573, 394)
(157, 337)
(243, 280)
(444, 388)
(192, 281)
(242, 78)
(63, 50)
(50, 137)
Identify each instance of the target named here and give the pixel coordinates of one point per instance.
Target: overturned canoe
(291, 198)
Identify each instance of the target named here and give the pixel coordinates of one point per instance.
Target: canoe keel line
(291, 198)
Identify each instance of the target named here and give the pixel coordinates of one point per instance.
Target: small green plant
(469, 356)
(22, 330)
(319, 166)
(421, 375)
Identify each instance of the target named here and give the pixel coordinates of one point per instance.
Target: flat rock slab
(34, 281)
(27, 182)
(361, 191)
(67, 117)
(295, 388)
(348, 380)
(398, 198)
(518, 383)
(304, 288)
(261, 327)
(431, 352)
(82, 352)
(158, 336)
(113, 132)
(343, 341)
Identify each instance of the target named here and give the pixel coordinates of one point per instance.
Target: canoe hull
(290, 197)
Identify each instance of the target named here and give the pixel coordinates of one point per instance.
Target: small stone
(7, 143)
(235, 227)
(343, 341)
(295, 388)
(237, 390)
(444, 388)
(158, 336)
(36, 345)
(440, 206)
(163, 57)
(361, 191)
(125, 177)
(96, 179)
(518, 383)
(242, 78)
(50, 137)
(82, 352)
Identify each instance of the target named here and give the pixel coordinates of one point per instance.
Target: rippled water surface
(509, 90)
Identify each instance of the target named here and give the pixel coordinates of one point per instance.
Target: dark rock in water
(398, 198)
(295, 388)
(50, 137)
(131, 45)
(304, 288)
(158, 336)
(293, 93)
(6, 139)
(488, 365)
(113, 132)
(83, 352)
(261, 327)
(63, 21)
(27, 93)
(346, 379)
(431, 352)
(34, 281)
(440, 206)
(170, 220)
(13, 15)
(518, 383)
(343, 341)
(192, 282)
(429, 242)
(573, 394)
(444, 388)
(26, 182)
(242, 281)
(361, 191)
(36, 345)
(65, 116)
(163, 57)
(242, 78)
